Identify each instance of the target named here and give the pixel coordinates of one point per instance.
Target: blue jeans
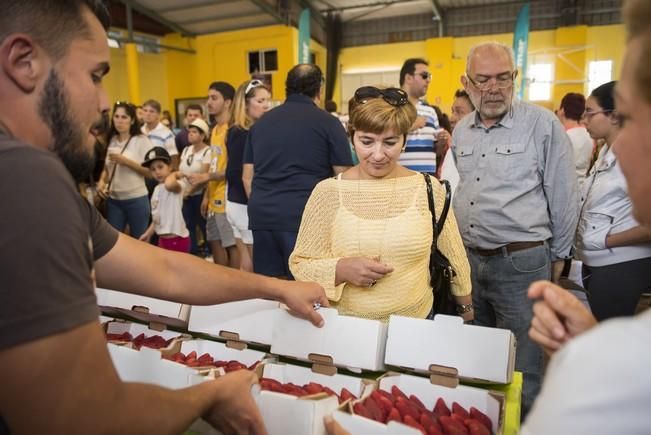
(135, 212)
(499, 294)
(192, 217)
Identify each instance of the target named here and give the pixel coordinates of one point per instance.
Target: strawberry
(476, 427)
(382, 401)
(452, 426)
(346, 395)
(428, 419)
(416, 401)
(394, 415)
(440, 408)
(481, 417)
(313, 388)
(434, 430)
(387, 395)
(192, 355)
(397, 392)
(458, 409)
(374, 409)
(405, 410)
(409, 421)
(361, 410)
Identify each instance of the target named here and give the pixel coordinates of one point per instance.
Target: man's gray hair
(493, 45)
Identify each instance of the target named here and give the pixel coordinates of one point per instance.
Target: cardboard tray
(449, 350)
(344, 341)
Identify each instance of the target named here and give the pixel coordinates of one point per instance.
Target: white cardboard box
(135, 329)
(490, 403)
(298, 375)
(143, 308)
(357, 425)
(477, 353)
(350, 342)
(250, 321)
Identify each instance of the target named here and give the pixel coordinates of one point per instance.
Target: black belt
(511, 247)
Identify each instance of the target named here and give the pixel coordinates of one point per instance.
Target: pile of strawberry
(384, 407)
(305, 390)
(206, 360)
(153, 341)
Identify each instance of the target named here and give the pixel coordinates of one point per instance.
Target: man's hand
(204, 206)
(443, 136)
(234, 411)
(558, 316)
(420, 122)
(300, 297)
(360, 271)
(557, 270)
(117, 158)
(332, 427)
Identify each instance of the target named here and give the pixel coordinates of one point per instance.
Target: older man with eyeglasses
(516, 202)
(420, 149)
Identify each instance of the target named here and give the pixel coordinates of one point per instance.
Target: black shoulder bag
(441, 272)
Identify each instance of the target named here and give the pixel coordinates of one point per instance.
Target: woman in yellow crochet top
(365, 235)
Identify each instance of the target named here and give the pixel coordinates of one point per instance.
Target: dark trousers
(615, 290)
(193, 219)
(271, 252)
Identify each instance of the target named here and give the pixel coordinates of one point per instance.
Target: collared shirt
(582, 145)
(161, 136)
(517, 181)
(292, 148)
(420, 148)
(606, 209)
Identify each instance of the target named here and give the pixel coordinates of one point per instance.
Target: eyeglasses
(425, 75)
(252, 85)
(502, 81)
(394, 96)
(588, 114)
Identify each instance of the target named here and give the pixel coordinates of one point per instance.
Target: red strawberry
(205, 359)
(384, 403)
(440, 408)
(346, 395)
(405, 410)
(329, 392)
(361, 410)
(374, 409)
(409, 421)
(394, 415)
(434, 430)
(397, 392)
(416, 401)
(428, 419)
(483, 418)
(452, 426)
(220, 363)
(458, 409)
(387, 395)
(192, 355)
(313, 388)
(476, 427)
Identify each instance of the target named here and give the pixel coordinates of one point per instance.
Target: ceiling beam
(368, 5)
(154, 16)
(269, 9)
(438, 16)
(195, 5)
(221, 17)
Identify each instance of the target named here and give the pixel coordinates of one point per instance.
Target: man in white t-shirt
(570, 113)
(158, 134)
(420, 148)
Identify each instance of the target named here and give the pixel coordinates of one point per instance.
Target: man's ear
(22, 60)
(464, 82)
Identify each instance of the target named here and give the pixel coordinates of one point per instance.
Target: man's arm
(247, 178)
(66, 383)
(632, 236)
(140, 268)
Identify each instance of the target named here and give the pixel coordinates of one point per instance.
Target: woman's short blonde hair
(377, 116)
(239, 117)
(637, 16)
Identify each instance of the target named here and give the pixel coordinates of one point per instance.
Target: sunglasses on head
(252, 85)
(393, 96)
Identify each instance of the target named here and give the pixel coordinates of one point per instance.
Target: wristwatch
(464, 308)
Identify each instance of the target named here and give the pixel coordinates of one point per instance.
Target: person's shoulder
(325, 187)
(22, 160)
(533, 110)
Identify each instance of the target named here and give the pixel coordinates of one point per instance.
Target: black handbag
(442, 273)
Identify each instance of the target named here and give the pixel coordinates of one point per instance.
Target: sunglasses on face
(252, 85)
(394, 96)
(425, 75)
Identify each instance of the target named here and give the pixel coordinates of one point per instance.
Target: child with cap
(195, 162)
(166, 202)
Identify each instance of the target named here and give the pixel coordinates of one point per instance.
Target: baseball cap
(201, 125)
(156, 153)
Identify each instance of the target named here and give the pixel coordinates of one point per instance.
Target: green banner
(304, 37)
(520, 48)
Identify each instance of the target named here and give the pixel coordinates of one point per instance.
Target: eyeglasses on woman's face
(394, 96)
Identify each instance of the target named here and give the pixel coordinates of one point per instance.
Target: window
(599, 72)
(540, 81)
(263, 61)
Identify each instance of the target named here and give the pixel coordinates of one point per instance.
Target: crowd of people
(338, 211)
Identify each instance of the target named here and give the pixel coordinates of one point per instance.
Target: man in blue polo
(288, 151)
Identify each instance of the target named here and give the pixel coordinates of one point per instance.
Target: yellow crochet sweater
(389, 219)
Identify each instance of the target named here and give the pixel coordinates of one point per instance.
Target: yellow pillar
(133, 72)
(570, 63)
(438, 52)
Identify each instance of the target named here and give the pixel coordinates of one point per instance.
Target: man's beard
(69, 141)
(492, 112)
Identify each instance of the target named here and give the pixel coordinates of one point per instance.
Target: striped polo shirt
(420, 151)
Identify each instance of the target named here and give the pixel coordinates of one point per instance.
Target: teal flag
(520, 47)
(304, 37)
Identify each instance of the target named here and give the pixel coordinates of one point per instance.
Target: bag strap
(432, 209)
(438, 226)
(115, 167)
(446, 205)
